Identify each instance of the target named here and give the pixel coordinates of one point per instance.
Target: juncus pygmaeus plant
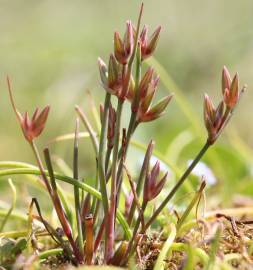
(124, 81)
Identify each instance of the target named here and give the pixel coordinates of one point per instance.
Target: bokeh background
(50, 50)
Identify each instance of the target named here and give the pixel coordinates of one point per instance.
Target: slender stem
(18, 115)
(107, 159)
(55, 236)
(178, 184)
(56, 201)
(76, 191)
(136, 198)
(101, 151)
(95, 203)
(41, 168)
(132, 123)
(143, 172)
(89, 128)
(102, 141)
(111, 221)
(60, 210)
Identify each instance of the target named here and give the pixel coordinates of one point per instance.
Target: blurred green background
(50, 50)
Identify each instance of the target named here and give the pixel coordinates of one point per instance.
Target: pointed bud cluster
(213, 118)
(111, 77)
(123, 48)
(149, 79)
(153, 186)
(147, 89)
(216, 118)
(230, 88)
(112, 80)
(114, 76)
(32, 128)
(111, 126)
(148, 45)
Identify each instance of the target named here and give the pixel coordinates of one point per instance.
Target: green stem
(102, 141)
(60, 210)
(89, 128)
(76, 192)
(178, 184)
(101, 153)
(132, 123)
(111, 221)
(107, 159)
(145, 167)
(41, 168)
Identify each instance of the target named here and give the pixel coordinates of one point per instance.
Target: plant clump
(97, 232)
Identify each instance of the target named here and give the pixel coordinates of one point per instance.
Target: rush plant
(98, 224)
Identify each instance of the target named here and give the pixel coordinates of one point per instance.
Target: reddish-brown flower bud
(145, 81)
(32, 128)
(230, 89)
(226, 79)
(129, 39)
(213, 118)
(231, 95)
(146, 102)
(131, 90)
(123, 49)
(153, 186)
(114, 76)
(155, 112)
(148, 46)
